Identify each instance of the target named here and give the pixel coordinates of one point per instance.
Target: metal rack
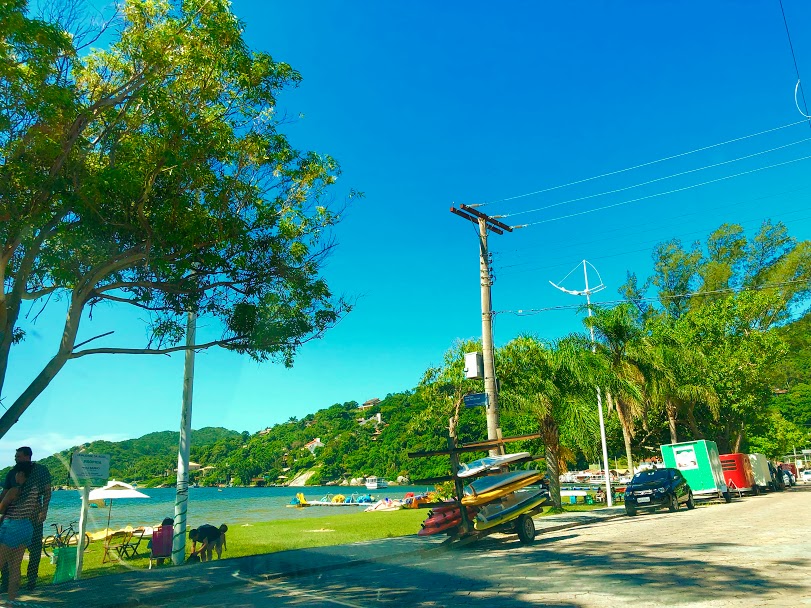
(465, 533)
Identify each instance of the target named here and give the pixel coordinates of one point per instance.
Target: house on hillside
(315, 443)
(367, 404)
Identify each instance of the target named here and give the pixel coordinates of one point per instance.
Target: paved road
(753, 552)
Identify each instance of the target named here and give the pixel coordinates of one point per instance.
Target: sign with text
(89, 469)
(475, 399)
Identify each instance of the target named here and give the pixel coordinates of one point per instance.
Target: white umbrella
(115, 489)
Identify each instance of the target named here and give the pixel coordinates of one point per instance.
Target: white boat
(373, 483)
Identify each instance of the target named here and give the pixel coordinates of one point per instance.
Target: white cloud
(45, 444)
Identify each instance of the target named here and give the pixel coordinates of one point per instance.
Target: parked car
(789, 472)
(657, 489)
(778, 483)
(805, 476)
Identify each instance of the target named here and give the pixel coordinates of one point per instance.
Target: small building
(367, 404)
(315, 443)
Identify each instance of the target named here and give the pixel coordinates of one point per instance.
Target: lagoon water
(232, 506)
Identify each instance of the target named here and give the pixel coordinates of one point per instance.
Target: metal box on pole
(474, 365)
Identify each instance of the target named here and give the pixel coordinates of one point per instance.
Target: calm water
(232, 506)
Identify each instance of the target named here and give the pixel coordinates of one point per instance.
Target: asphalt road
(752, 552)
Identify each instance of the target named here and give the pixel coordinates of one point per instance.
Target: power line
(642, 198)
(794, 58)
(658, 179)
(533, 311)
(647, 164)
(599, 257)
(648, 242)
(648, 226)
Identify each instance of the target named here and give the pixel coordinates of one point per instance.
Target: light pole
(587, 292)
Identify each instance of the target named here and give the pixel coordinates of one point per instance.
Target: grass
(268, 537)
(282, 535)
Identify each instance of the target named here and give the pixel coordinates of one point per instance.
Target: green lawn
(281, 535)
(269, 537)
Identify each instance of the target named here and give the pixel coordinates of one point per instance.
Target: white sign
(89, 469)
(686, 458)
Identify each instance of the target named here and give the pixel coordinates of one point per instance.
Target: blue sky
(430, 104)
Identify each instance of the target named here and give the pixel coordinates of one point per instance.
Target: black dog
(193, 558)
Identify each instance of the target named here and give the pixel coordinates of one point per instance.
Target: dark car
(778, 482)
(656, 489)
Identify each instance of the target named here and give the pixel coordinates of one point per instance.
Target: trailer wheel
(525, 528)
(691, 504)
(755, 489)
(727, 496)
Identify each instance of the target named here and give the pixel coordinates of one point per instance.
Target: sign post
(87, 470)
(476, 399)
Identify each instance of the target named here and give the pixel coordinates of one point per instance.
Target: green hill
(152, 457)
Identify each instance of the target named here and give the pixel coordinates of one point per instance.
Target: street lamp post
(587, 292)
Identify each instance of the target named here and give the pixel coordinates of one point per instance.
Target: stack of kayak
(497, 498)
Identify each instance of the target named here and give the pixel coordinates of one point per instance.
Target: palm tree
(555, 384)
(626, 349)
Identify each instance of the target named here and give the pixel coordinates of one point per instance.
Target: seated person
(210, 538)
(167, 521)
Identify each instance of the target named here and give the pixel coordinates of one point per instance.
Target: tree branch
(93, 338)
(153, 351)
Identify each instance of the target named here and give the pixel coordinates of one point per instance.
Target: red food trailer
(738, 473)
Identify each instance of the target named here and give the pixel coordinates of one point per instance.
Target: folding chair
(115, 543)
(130, 548)
(161, 544)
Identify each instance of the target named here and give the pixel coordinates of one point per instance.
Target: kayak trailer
(504, 500)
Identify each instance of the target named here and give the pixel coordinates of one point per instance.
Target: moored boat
(374, 483)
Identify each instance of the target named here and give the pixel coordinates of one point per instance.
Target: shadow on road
(504, 573)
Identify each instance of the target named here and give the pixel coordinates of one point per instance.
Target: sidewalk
(153, 587)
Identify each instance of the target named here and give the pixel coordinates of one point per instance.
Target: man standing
(39, 482)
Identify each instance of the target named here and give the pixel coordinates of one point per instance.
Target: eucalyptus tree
(677, 378)
(555, 384)
(153, 174)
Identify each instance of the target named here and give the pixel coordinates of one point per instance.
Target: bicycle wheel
(49, 544)
(73, 540)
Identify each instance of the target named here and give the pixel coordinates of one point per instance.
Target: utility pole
(182, 495)
(485, 224)
(587, 292)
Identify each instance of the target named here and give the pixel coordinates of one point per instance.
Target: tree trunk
(626, 437)
(736, 447)
(551, 440)
(670, 408)
(43, 379)
(691, 420)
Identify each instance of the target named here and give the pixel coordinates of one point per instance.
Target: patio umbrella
(115, 489)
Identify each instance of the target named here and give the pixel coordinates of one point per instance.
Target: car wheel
(629, 510)
(691, 504)
(674, 504)
(727, 497)
(525, 528)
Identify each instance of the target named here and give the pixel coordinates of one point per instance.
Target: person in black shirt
(211, 538)
(39, 485)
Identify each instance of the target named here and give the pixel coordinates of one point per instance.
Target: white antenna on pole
(587, 292)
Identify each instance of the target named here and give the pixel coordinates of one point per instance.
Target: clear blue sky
(429, 104)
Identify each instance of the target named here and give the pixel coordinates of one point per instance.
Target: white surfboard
(489, 462)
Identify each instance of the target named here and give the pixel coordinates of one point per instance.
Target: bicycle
(63, 537)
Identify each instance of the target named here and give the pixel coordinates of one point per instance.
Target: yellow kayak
(490, 496)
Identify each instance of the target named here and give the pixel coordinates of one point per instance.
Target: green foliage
(152, 173)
